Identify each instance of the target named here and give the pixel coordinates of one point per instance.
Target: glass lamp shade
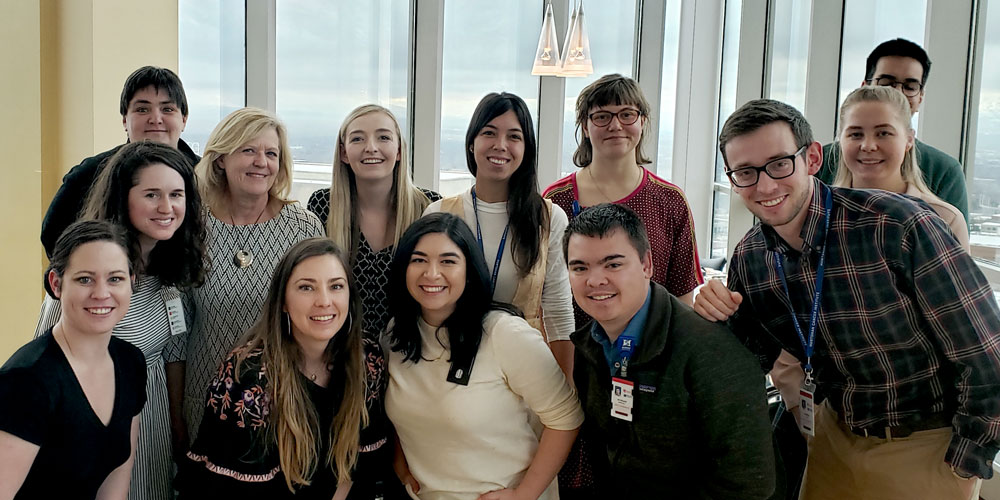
(547, 62)
(576, 52)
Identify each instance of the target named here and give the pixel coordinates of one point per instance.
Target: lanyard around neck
(809, 345)
(479, 236)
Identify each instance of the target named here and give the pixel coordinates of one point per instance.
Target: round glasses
(909, 88)
(776, 169)
(626, 116)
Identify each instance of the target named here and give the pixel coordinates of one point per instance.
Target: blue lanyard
(809, 345)
(576, 208)
(625, 346)
(479, 236)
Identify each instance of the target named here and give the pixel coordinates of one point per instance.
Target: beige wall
(68, 60)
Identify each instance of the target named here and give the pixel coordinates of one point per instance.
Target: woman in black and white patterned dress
(370, 204)
(245, 176)
(151, 190)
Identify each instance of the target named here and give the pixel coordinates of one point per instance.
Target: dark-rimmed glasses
(909, 88)
(776, 169)
(626, 116)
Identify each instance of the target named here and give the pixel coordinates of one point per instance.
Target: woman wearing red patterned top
(611, 120)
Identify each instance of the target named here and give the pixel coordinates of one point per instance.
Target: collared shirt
(908, 324)
(633, 329)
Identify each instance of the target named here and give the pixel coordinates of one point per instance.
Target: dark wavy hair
(180, 261)
(465, 325)
(525, 207)
(78, 234)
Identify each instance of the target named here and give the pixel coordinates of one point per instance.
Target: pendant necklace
(243, 258)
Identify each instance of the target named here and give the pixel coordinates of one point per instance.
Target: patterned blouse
(371, 268)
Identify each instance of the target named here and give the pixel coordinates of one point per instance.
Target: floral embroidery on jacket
(242, 396)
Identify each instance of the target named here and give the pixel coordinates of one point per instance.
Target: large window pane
(489, 46)
(668, 89)
(212, 63)
(984, 191)
(727, 105)
(612, 31)
(333, 56)
(868, 23)
(790, 52)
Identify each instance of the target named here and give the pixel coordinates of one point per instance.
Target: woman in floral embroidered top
(283, 415)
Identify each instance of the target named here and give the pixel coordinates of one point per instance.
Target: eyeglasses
(626, 116)
(909, 88)
(775, 169)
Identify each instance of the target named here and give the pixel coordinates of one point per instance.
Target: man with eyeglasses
(896, 328)
(904, 65)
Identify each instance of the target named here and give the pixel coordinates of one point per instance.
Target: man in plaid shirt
(905, 361)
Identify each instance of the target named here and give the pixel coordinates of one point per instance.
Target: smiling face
(252, 168)
(371, 147)
(874, 141)
(498, 149)
(95, 288)
(156, 203)
(776, 202)
(153, 116)
(614, 140)
(608, 277)
(435, 276)
(317, 299)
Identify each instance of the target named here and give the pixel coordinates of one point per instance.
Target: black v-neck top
(42, 402)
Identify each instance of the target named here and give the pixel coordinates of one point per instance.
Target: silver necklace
(243, 257)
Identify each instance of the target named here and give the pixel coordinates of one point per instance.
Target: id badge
(175, 311)
(621, 398)
(807, 409)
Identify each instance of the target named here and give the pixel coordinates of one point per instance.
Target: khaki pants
(845, 466)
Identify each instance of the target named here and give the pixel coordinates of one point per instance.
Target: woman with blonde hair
(245, 175)
(286, 406)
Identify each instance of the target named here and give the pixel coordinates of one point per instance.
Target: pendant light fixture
(576, 51)
(547, 61)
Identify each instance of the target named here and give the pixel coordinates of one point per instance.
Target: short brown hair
(613, 89)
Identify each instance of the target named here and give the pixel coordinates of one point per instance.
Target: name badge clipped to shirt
(807, 408)
(175, 310)
(621, 398)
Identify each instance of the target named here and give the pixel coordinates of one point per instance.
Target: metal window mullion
(650, 25)
(261, 43)
(551, 98)
(425, 120)
(823, 77)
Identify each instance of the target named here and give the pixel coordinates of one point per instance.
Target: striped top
(665, 213)
(145, 326)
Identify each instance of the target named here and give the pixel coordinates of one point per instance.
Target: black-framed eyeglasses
(909, 88)
(776, 169)
(626, 116)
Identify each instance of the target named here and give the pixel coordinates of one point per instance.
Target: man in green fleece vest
(903, 64)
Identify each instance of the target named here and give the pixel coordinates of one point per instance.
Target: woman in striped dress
(149, 189)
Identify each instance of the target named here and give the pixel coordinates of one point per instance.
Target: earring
(288, 323)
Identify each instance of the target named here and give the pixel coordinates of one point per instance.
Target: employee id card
(807, 408)
(175, 310)
(621, 398)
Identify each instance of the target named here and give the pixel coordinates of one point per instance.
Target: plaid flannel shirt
(908, 325)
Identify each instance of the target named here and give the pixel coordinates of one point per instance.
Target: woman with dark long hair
(479, 404)
(284, 411)
(150, 190)
(517, 231)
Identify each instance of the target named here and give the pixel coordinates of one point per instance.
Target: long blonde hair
(235, 130)
(408, 202)
(900, 107)
(294, 422)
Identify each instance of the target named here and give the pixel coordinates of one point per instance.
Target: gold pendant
(243, 259)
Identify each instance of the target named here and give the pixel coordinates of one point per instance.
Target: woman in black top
(283, 415)
(71, 398)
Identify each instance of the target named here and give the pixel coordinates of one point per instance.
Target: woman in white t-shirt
(477, 400)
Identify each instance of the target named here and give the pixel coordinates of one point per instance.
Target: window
(331, 57)
(868, 23)
(488, 47)
(790, 52)
(727, 105)
(612, 31)
(212, 63)
(668, 89)
(984, 189)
